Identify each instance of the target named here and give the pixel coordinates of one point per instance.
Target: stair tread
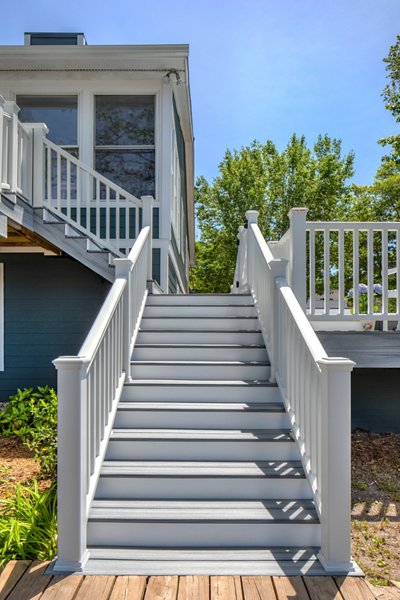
(276, 511)
(204, 382)
(262, 407)
(221, 346)
(216, 363)
(208, 554)
(259, 469)
(219, 317)
(262, 435)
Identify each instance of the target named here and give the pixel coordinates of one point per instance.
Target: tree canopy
(260, 177)
(391, 96)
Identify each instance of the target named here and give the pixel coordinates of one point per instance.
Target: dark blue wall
(50, 304)
(375, 399)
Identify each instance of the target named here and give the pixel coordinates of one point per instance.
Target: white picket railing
(80, 196)
(89, 387)
(316, 393)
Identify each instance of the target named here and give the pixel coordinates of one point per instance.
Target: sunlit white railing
(78, 195)
(316, 393)
(89, 387)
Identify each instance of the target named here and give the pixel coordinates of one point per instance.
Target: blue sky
(260, 69)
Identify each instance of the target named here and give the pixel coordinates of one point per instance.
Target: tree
(261, 178)
(391, 96)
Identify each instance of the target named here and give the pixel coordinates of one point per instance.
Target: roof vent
(55, 39)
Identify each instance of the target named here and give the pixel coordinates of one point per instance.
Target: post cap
(252, 216)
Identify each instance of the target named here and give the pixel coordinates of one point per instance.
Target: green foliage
(391, 96)
(261, 178)
(32, 416)
(28, 524)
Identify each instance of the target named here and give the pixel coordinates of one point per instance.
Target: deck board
(26, 580)
(368, 349)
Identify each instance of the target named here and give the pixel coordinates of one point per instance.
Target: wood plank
(162, 588)
(96, 587)
(290, 587)
(32, 584)
(354, 588)
(384, 593)
(62, 587)
(322, 588)
(258, 588)
(226, 588)
(194, 587)
(130, 587)
(11, 574)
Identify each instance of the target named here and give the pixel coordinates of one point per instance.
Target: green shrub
(28, 524)
(32, 416)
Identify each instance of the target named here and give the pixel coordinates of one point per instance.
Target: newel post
(251, 219)
(335, 476)
(73, 472)
(240, 284)
(278, 269)
(297, 254)
(12, 110)
(123, 267)
(147, 219)
(39, 132)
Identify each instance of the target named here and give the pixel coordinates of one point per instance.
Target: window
(60, 113)
(124, 142)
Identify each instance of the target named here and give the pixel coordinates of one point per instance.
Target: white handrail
(316, 393)
(89, 388)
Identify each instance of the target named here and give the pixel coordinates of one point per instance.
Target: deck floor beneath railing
(26, 580)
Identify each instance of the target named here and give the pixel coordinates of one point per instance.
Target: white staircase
(201, 473)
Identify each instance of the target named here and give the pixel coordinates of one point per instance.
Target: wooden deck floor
(26, 580)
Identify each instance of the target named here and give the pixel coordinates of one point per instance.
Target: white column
(72, 484)
(123, 267)
(39, 131)
(12, 109)
(147, 220)
(2, 140)
(297, 254)
(251, 217)
(335, 476)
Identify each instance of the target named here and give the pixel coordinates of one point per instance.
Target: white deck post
(12, 109)
(297, 254)
(278, 269)
(335, 476)
(39, 131)
(240, 285)
(72, 463)
(123, 268)
(147, 219)
(251, 217)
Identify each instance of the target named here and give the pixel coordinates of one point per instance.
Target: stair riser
(201, 393)
(197, 299)
(200, 450)
(199, 337)
(218, 324)
(213, 535)
(200, 311)
(199, 353)
(200, 419)
(197, 488)
(207, 372)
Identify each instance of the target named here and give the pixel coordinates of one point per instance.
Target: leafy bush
(32, 416)
(28, 524)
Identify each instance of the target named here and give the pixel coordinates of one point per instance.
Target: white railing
(357, 263)
(80, 196)
(316, 393)
(89, 387)
(343, 271)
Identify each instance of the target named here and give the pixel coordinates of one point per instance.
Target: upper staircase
(201, 472)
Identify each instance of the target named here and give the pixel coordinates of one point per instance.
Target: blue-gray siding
(50, 304)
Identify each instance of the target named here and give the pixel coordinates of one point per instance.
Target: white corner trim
(1, 316)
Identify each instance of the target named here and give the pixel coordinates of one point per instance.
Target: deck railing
(89, 387)
(343, 271)
(78, 195)
(315, 389)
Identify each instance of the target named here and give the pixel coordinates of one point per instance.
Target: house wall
(375, 399)
(50, 304)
